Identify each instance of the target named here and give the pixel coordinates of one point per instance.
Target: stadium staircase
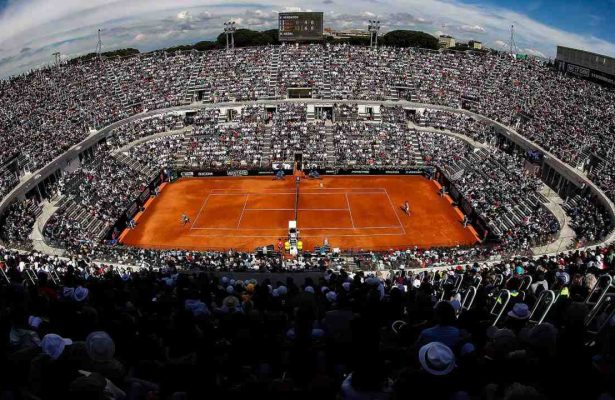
(191, 86)
(325, 92)
(266, 146)
(392, 93)
(117, 90)
(412, 93)
(330, 145)
(274, 68)
(513, 215)
(418, 157)
(136, 165)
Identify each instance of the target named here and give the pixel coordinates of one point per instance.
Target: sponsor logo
(205, 173)
(603, 78)
(265, 172)
(361, 171)
(144, 196)
(237, 172)
(132, 210)
(392, 172)
(575, 69)
(187, 173)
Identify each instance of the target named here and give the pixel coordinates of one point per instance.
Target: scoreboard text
(294, 26)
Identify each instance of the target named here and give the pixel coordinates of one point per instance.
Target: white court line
(299, 209)
(395, 211)
(362, 235)
(199, 213)
(232, 194)
(346, 188)
(358, 227)
(340, 193)
(289, 193)
(349, 210)
(243, 210)
(247, 229)
(314, 188)
(269, 236)
(302, 229)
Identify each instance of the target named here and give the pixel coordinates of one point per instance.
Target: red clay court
(352, 212)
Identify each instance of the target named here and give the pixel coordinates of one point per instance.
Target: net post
(297, 183)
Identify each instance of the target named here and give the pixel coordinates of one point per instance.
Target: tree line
(247, 37)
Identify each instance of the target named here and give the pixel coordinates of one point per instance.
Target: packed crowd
(365, 144)
(495, 184)
(589, 220)
(18, 220)
(47, 111)
(480, 131)
(225, 146)
(79, 330)
(141, 128)
(8, 180)
(497, 187)
(94, 197)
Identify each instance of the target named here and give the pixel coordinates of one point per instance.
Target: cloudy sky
(34, 29)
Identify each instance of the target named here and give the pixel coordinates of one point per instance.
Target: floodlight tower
(512, 46)
(373, 27)
(229, 30)
(99, 47)
(57, 58)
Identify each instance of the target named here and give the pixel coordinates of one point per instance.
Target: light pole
(373, 27)
(57, 58)
(229, 29)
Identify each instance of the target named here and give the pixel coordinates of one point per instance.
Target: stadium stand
(460, 333)
(493, 323)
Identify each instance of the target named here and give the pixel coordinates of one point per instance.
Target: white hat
(346, 286)
(456, 304)
(416, 283)
(100, 346)
(68, 292)
(53, 345)
(372, 280)
(34, 321)
(309, 289)
(331, 296)
(80, 293)
(437, 358)
(519, 311)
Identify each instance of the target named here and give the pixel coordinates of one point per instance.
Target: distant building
(475, 44)
(347, 33)
(585, 64)
(446, 41)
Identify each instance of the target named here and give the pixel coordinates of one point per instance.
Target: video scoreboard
(295, 26)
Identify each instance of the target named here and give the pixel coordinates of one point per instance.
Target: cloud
(70, 26)
(405, 18)
(292, 9)
(499, 44)
(534, 52)
(472, 28)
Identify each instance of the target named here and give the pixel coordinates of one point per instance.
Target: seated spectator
(444, 330)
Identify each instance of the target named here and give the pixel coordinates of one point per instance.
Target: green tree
(404, 38)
